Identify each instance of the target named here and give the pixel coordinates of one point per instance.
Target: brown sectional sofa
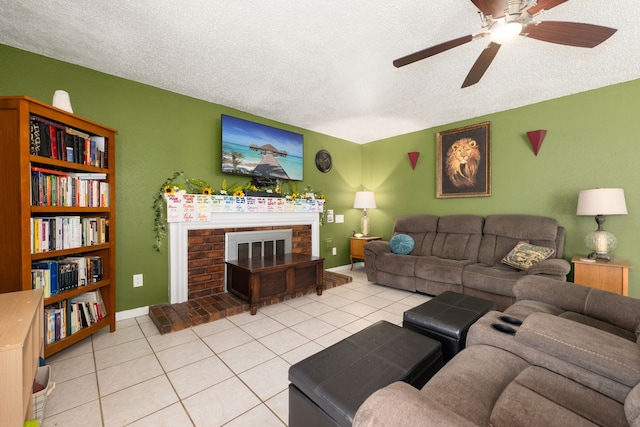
(463, 253)
(574, 361)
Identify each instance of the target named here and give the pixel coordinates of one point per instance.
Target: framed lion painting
(464, 162)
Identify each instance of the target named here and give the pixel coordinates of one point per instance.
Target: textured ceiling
(325, 65)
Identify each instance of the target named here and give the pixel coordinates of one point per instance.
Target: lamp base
(601, 243)
(364, 226)
(599, 255)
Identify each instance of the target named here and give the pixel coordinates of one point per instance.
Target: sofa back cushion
(458, 237)
(422, 228)
(502, 232)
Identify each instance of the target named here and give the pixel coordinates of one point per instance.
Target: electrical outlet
(334, 251)
(137, 280)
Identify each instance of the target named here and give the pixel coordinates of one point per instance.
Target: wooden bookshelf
(17, 158)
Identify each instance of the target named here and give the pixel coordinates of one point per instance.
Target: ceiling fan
(503, 20)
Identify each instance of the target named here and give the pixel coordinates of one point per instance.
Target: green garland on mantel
(179, 183)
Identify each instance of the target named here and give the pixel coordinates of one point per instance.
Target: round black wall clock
(323, 161)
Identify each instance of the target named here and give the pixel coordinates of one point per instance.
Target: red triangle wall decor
(535, 138)
(413, 158)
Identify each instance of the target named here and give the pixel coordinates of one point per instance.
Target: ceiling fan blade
(568, 33)
(481, 64)
(495, 8)
(544, 5)
(430, 51)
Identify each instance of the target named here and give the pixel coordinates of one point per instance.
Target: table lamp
(601, 202)
(364, 200)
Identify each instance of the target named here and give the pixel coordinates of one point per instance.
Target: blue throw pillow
(401, 244)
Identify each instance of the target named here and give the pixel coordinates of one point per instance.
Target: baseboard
(134, 312)
(345, 267)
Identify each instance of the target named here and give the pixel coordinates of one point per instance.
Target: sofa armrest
(377, 247)
(552, 267)
(565, 295)
(591, 349)
(618, 310)
(402, 404)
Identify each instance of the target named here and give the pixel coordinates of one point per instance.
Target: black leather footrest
(447, 318)
(335, 381)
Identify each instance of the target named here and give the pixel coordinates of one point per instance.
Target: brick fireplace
(197, 250)
(206, 255)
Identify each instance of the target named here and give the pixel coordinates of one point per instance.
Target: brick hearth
(175, 317)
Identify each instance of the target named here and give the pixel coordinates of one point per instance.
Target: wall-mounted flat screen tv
(264, 152)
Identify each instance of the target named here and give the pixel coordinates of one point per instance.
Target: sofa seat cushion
(496, 279)
(540, 397)
(440, 269)
(471, 383)
(400, 265)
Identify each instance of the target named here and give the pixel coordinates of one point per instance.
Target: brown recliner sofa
(574, 361)
(463, 253)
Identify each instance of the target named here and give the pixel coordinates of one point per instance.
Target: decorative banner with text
(198, 207)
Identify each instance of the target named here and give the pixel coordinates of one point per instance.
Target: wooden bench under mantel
(261, 279)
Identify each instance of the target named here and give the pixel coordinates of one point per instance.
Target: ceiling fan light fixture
(502, 32)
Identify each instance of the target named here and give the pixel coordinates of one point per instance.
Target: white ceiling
(325, 65)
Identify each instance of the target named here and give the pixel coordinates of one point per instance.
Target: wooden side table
(357, 247)
(612, 276)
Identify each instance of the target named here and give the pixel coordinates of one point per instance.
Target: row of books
(60, 275)
(56, 141)
(51, 187)
(67, 232)
(67, 317)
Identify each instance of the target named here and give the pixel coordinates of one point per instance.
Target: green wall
(160, 132)
(590, 143)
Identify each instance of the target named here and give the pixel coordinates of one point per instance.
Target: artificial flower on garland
(175, 184)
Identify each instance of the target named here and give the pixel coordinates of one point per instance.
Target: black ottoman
(327, 388)
(447, 318)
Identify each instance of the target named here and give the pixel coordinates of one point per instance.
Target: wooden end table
(612, 276)
(263, 278)
(357, 247)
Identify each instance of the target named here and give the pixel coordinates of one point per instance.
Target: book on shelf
(50, 187)
(40, 279)
(66, 317)
(56, 321)
(64, 274)
(50, 266)
(94, 303)
(67, 232)
(54, 140)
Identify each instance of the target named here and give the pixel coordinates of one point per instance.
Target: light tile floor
(230, 372)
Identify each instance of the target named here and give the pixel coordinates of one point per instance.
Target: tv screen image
(260, 151)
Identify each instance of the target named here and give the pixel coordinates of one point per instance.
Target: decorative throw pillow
(401, 244)
(524, 255)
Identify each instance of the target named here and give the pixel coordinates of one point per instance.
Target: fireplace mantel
(178, 239)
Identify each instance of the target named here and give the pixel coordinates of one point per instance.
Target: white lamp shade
(602, 201)
(365, 200)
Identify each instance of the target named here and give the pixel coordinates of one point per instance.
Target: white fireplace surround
(179, 240)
